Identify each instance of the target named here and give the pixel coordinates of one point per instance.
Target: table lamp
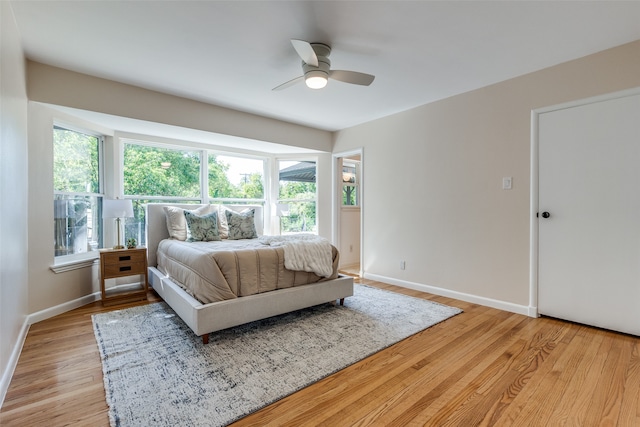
(118, 209)
(282, 209)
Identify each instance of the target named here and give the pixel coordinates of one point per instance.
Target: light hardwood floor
(483, 367)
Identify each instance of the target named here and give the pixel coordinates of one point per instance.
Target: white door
(589, 184)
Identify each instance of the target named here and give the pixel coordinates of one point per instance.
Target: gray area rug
(158, 373)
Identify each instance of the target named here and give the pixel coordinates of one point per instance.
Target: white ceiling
(232, 53)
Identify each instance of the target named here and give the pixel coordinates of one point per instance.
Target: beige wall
(440, 205)
(61, 291)
(62, 87)
(349, 236)
(13, 197)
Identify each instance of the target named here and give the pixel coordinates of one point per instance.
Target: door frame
(534, 189)
(337, 198)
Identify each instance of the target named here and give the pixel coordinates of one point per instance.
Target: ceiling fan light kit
(316, 79)
(316, 68)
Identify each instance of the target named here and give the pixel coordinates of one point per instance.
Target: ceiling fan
(316, 68)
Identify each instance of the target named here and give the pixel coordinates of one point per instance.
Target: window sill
(64, 266)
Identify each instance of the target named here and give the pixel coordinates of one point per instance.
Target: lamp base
(119, 245)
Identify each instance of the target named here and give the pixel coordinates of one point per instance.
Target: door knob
(546, 214)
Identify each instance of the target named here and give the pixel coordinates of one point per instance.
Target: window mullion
(204, 176)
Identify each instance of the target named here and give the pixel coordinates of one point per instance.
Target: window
(77, 197)
(350, 183)
(155, 171)
(175, 175)
(297, 196)
(235, 179)
(157, 174)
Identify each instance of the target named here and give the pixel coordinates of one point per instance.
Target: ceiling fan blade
(305, 51)
(289, 83)
(352, 77)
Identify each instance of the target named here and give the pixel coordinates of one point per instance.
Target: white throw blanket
(304, 252)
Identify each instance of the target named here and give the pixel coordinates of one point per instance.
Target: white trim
(475, 299)
(535, 174)
(361, 189)
(591, 100)
(336, 202)
(337, 198)
(268, 211)
(47, 313)
(204, 175)
(7, 375)
(533, 218)
(276, 185)
(75, 264)
(350, 266)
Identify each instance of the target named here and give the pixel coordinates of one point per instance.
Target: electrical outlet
(507, 182)
(402, 265)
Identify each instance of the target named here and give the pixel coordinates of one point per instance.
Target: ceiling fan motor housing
(324, 64)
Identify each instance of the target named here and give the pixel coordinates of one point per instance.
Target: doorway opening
(348, 196)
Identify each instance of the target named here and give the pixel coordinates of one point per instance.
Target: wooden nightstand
(116, 263)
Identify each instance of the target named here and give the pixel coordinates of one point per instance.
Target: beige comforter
(217, 271)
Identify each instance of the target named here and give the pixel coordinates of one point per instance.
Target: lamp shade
(63, 209)
(282, 209)
(118, 208)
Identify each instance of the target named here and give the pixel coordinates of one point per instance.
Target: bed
(253, 302)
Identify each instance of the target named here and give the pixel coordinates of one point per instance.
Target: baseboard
(47, 313)
(30, 320)
(71, 305)
(13, 362)
(350, 266)
(475, 299)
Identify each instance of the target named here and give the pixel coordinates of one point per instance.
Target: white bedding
(228, 269)
(304, 252)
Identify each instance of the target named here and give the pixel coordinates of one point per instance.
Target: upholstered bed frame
(206, 318)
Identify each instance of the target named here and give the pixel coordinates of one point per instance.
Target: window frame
(204, 196)
(163, 146)
(69, 261)
(236, 200)
(355, 164)
(280, 201)
(143, 199)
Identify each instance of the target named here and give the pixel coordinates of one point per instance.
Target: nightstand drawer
(126, 268)
(124, 257)
(118, 264)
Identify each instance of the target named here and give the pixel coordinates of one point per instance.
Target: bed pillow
(202, 228)
(223, 225)
(176, 223)
(241, 225)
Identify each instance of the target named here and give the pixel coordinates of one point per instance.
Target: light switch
(506, 182)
